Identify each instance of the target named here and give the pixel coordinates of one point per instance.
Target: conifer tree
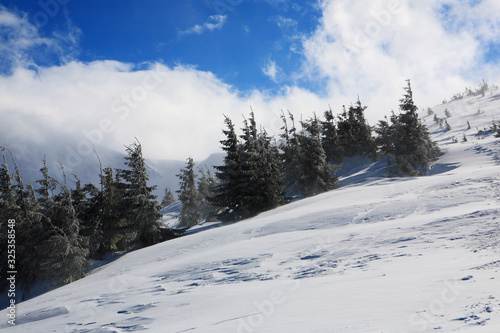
(61, 250)
(168, 198)
(206, 187)
(68, 259)
(262, 183)
(290, 156)
(330, 139)
(406, 142)
(8, 205)
(140, 202)
(188, 195)
(228, 193)
(316, 174)
(354, 133)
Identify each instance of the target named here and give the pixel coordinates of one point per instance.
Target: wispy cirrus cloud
(271, 70)
(215, 22)
(23, 45)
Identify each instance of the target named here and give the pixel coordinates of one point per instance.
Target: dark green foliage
(315, 173)
(206, 187)
(331, 139)
(290, 156)
(406, 141)
(261, 178)
(139, 202)
(355, 135)
(228, 194)
(111, 230)
(349, 136)
(168, 198)
(250, 181)
(188, 195)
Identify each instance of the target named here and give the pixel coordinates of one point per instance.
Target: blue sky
(235, 39)
(83, 74)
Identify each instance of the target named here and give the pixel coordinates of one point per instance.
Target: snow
(378, 254)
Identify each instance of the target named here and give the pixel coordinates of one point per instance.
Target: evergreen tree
(8, 206)
(406, 142)
(206, 187)
(68, 250)
(168, 198)
(331, 139)
(228, 193)
(188, 195)
(262, 178)
(61, 254)
(316, 174)
(354, 133)
(290, 156)
(140, 202)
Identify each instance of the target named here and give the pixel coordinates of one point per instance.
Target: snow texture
(417, 254)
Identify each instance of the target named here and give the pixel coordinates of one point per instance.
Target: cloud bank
(358, 47)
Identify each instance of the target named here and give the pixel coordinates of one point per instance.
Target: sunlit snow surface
(376, 255)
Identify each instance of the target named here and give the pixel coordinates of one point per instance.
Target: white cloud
(370, 48)
(177, 112)
(271, 70)
(215, 22)
(286, 22)
(23, 45)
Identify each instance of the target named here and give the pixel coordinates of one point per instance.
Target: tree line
(59, 230)
(261, 172)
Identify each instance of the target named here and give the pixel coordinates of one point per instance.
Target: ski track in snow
(376, 255)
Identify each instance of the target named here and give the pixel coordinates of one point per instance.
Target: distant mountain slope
(416, 254)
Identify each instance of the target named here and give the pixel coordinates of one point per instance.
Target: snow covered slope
(376, 255)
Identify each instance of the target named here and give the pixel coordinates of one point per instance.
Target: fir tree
(168, 198)
(290, 156)
(355, 133)
(228, 193)
(406, 141)
(330, 139)
(316, 174)
(188, 195)
(206, 187)
(262, 179)
(140, 202)
(68, 259)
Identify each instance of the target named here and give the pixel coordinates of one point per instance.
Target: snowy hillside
(376, 255)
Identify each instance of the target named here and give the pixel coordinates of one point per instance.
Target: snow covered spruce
(377, 253)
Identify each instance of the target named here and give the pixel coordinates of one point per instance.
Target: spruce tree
(228, 193)
(262, 181)
(406, 142)
(168, 198)
(139, 201)
(206, 187)
(316, 174)
(330, 139)
(69, 250)
(290, 156)
(354, 133)
(188, 195)
(63, 257)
